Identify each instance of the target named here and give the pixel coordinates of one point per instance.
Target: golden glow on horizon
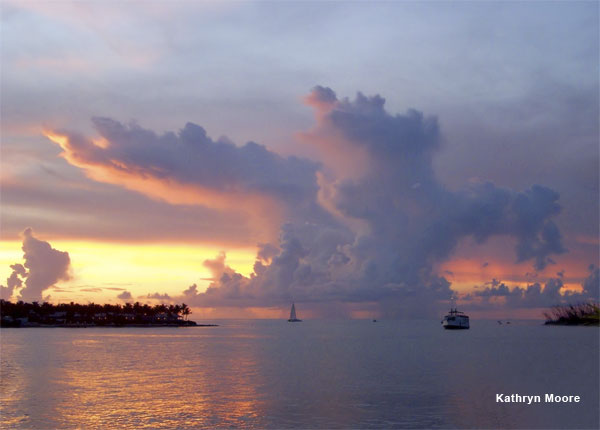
(240, 313)
(144, 269)
(140, 269)
(466, 273)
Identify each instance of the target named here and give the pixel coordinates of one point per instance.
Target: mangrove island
(576, 314)
(34, 314)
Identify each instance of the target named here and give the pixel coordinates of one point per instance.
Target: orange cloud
(467, 273)
(347, 160)
(265, 212)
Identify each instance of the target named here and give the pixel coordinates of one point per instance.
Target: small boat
(455, 320)
(293, 315)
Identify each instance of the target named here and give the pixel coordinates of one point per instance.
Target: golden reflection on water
(130, 380)
(179, 388)
(11, 384)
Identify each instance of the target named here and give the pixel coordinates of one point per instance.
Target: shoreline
(593, 323)
(83, 325)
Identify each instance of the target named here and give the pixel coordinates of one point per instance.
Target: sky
(362, 159)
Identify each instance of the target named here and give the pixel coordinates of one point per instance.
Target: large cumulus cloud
(366, 225)
(410, 214)
(43, 267)
(190, 168)
(405, 219)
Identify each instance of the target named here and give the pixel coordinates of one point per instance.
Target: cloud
(535, 295)
(412, 221)
(125, 296)
(532, 296)
(591, 284)
(189, 168)
(42, 268)
(368, 225)
(77, 207)
(91, 290)
(399, 151)
(157, 296)
(13, 282)
(497, 289)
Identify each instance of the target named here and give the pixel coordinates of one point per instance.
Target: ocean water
(314, 374)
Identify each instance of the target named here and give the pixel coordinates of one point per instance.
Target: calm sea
(314, 374)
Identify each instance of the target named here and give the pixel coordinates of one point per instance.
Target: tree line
(21, 313)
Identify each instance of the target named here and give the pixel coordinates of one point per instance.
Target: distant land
(22, 314)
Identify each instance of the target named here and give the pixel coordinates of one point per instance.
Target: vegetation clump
(34, 314)
(574, 314)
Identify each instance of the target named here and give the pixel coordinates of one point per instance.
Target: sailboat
(293, 315)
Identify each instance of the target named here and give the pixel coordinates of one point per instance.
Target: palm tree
(177, 310)
(185, 310)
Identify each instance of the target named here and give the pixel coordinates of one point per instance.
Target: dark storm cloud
(410, 137)
(389, 221)
(190, 168)
(412, 220)
(43, 267)
(400, 197)
(546, 135)
(192, 157)
(485, 210)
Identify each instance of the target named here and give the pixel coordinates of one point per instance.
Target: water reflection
(270, 374)
(101, 379)
(525, 359)
(161, 381)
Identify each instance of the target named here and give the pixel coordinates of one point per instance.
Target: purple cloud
(368, 225)
(43, 267)
(125, 296)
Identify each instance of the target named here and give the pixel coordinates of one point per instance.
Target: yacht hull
(454, 327)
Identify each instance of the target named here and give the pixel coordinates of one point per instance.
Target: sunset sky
(358, 158)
